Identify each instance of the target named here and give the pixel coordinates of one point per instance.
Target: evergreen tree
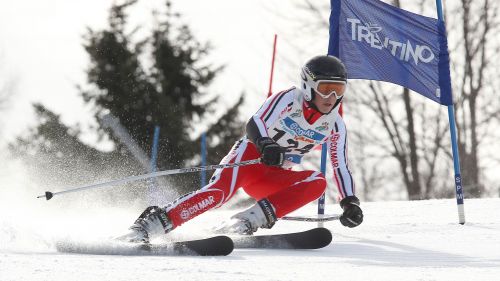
(168, 94)
(164, 96)
(55, 155)
(222, 135)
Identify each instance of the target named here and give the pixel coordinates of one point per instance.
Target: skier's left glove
(272, 154)
(352, 216)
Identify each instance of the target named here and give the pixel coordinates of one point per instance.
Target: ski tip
(324, 234)
(228, 245)
(214, 246)
(318, 238)
(224, 246)
(311, 239)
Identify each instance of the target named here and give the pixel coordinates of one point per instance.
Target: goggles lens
(327, 88)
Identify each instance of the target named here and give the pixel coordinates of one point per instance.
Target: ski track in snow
(418, 240)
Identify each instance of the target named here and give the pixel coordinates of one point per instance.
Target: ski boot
(152, 222)
(260, 215)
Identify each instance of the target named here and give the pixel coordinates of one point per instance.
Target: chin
(325, 110)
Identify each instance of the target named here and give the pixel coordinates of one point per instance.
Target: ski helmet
(321, 69)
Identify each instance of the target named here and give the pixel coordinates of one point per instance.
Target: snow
(400, 240)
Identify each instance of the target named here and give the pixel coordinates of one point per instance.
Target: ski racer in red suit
(287, 126)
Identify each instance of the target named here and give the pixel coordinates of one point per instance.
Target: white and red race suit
(292, 123)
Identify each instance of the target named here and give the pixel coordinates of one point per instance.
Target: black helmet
(321, 68)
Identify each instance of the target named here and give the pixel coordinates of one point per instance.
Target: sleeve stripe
(271, 110)
(339, 187)
(338, 175)
(267, 111)
(342, 183)
(274, 103)
(345, 151)
(342, 174)
(261, 125)
(353, 185)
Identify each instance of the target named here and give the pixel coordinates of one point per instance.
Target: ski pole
(48, 195)
(322, 218)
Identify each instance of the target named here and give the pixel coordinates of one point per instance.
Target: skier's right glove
(352, 216)
(272, 154)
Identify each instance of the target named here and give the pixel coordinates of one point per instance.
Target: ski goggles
(326, 88)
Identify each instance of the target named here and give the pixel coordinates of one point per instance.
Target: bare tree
(415, 131)
(396, 113)
(400, 130)
(477, 108)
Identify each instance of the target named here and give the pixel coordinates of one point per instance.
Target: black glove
(272, 154)
(352, 216)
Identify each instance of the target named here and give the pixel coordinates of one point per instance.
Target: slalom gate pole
(456, 159)
(48, 195)
(321, 200)
(270, 92)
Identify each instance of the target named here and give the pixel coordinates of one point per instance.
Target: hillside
(418, 240)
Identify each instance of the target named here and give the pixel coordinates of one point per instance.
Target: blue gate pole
(203, 158)
(153, 187)
(456, 160)
(321, 200)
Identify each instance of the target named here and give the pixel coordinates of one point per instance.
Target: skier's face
(327, 94)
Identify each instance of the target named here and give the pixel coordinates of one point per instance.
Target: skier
(289, 125)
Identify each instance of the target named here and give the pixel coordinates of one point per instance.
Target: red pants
(286, 190)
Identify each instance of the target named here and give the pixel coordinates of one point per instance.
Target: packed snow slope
(419, 240)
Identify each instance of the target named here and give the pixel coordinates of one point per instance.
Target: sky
(41, 50)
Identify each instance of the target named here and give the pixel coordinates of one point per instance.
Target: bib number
(293, 144)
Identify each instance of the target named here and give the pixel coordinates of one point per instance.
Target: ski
(315, 238)
(212, 246)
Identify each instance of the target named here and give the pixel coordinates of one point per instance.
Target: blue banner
(377, 41)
